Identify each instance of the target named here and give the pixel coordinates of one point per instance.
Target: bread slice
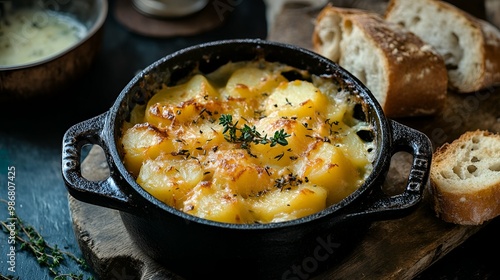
(465, 178)
(469, 45)
(406, 75)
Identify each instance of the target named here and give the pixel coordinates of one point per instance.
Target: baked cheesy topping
(251, 142)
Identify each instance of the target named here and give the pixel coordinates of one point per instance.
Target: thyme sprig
(49, 256)
(247, 135)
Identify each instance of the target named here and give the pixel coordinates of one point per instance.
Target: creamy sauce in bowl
(31, 35)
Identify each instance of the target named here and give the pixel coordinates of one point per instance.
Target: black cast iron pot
(195, 247)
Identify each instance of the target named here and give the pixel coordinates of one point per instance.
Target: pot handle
(104, 193)
(405, 139)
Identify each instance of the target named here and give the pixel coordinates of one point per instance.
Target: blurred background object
(35, 27)
(169, 8)
(169, 18)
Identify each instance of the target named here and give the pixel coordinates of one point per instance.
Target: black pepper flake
(181, 153)
(280, 156)
(267, 170)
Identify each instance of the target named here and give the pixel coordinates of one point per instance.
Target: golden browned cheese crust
(416, 75)
(248, 143)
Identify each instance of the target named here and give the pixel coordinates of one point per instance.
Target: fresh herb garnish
(49, 256)
(247, 135)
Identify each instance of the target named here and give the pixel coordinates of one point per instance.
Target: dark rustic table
(31, 135)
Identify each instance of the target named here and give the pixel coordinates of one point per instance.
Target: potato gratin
(251, 142)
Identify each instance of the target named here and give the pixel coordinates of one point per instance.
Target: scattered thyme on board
(48, 256)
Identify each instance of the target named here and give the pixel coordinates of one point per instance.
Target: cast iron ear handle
(380, 205)
(104, 193)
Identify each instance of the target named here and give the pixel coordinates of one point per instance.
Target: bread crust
(491, 73)
(488, 45)
(415, 74)
(465, 206)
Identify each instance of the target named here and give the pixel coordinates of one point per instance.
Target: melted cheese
(31, 35)
(179, 151)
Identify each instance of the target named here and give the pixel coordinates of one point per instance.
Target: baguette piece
(406, 75)
(470, 46)
(465, 179)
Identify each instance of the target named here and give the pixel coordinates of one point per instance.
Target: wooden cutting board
(393, 249)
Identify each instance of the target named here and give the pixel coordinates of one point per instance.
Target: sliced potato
(297, 99)
(216, 205)
(281, 155)
(327, 166)
(287, 203)
(252, 82)
(170, 179)
(239, 172)
(142, 142)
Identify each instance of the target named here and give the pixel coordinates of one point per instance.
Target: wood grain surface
(394, 249)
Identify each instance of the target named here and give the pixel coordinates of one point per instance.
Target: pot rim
(381, 127)
(96, 26)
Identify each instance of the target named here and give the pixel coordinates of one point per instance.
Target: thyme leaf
(249, 134)
(48, 256)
